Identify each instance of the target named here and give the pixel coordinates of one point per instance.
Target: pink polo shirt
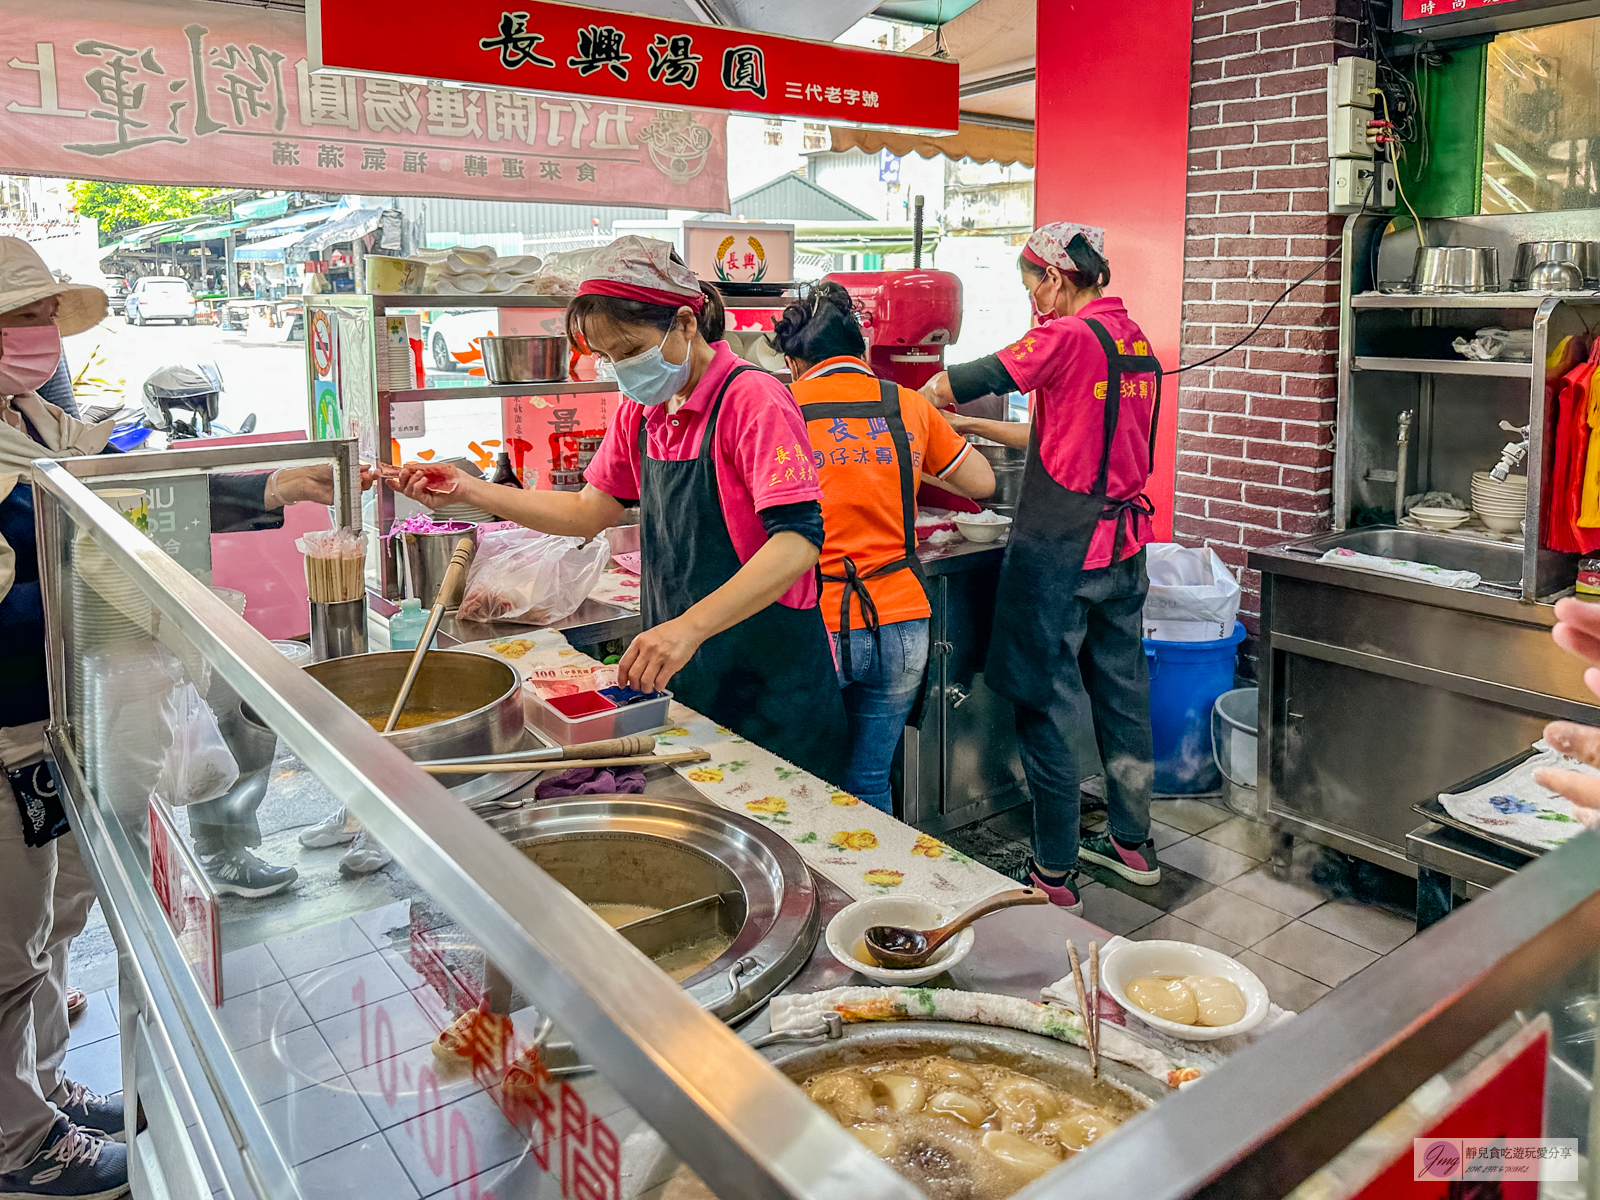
(762, 455)
(1061, 363)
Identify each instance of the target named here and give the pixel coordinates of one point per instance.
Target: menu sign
(1419, 14)
(589, 52)
(187, 899)
(185, 92)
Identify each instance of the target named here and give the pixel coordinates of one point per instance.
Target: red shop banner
(1421, 10)
(162, 91)
(591, 52)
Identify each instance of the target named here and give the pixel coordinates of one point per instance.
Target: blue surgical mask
(649, 378)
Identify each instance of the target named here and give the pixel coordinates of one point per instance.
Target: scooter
(195, 389)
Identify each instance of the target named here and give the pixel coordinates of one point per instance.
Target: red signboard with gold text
(1427, 12)
(580, 51)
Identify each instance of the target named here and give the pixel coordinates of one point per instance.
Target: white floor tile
(1287, 896)
(1115, 911)
(256, 1016)
(1213, 863)
(96, 1022)
(1191, 816)
(1172, 929)
(378, 1031)
(319, 946)
(1366, 925)
(333, 990)
(494, 1142)
(311, 1122)
(1165, 835)
(246, 969)
(280, 1065)
(1289, 990)
(1315, 952)
(98, 1066)
(1232, 916)
(398, 1088)
(1250, 838)
(364, 1168)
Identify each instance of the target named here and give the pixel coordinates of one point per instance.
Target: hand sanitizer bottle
(406, 626)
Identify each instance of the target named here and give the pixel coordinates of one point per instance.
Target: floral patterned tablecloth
(864, 851)
(618, 587)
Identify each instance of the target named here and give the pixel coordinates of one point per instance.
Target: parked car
(158, 298)
(116, 293)
(451, 334)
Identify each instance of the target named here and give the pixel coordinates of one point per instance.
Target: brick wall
(1255, 429)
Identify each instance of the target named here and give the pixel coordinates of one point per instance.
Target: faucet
(1512, 453)
(1402, 443)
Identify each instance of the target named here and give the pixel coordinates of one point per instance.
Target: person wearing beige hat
(56, 1137)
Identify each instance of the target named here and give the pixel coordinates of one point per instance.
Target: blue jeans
(877, 700)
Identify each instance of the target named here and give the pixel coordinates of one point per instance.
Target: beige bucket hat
(24, 279)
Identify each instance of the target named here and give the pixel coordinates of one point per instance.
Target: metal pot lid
(697, 847)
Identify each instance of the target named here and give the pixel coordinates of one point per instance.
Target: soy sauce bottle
(503, 473)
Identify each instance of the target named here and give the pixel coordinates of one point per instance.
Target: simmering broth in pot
(415, 720)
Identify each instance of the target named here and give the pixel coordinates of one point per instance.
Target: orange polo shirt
(862, 512)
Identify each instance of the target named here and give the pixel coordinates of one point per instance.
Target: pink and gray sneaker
(1063, 894)
(1136, 864)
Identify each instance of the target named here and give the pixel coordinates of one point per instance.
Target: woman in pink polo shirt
(1067, 646)
(717, 455)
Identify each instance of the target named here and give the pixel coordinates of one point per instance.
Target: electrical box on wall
(1354, 183)
(1353, 81)
(1347, 133)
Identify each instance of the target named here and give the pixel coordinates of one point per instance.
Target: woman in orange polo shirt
(871, 441)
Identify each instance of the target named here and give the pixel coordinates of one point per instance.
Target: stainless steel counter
(1378, 692)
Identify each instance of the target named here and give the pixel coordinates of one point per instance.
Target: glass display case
(289, 1046)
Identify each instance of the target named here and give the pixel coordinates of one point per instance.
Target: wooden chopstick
(1083, 1001)
(642, 760)
(1094, 1009)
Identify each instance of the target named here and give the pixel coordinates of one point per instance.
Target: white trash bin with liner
(1233, 743)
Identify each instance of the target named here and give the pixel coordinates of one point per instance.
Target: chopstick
(1094, 1009)
(643, 760)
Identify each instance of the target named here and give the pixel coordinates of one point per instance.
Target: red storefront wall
(1112, 133)
(1194, 131)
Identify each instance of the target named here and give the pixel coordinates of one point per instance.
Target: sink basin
(1497, 562)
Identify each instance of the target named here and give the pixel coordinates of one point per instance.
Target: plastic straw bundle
(335, 564)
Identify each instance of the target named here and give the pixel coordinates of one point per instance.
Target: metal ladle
(903, 949)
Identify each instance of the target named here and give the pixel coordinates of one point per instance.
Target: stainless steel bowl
(485, 691)
(524, 358)
(1556, 275)
(664, 852)
(427, 558)
(1584, 255)
(1448, 269)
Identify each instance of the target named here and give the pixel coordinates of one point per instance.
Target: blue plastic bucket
(1185, 680)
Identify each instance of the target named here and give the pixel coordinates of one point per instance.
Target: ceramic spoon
(902, 949)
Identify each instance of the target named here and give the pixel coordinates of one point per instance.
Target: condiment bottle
(406, 626)
(1589, 579)
(503, 474)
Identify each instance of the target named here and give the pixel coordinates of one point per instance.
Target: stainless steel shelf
(490, 390)
(1459, 300)
(1444, 366)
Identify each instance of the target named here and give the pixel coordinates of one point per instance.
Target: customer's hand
(1577, 631)
(313, 484)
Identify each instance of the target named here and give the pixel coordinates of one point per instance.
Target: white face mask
(648, 377)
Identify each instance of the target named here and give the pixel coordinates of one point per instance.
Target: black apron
(887, 406)
(769, 678)
(1048, 546)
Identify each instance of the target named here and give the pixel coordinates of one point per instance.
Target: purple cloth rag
(590, 781)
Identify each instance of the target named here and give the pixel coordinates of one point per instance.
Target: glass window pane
(1542, 119)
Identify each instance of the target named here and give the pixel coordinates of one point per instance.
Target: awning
(299, 220)
(981, 143)
(267, 249)
(357, 224)
(861, 237)
(267, 206)
(209, 233)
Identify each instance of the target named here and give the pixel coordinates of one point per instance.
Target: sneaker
(1136, 865)
(240, 873)
(366, 855)
(1063, 894)
(337, 830)
(76, 1002)
(97, 1115)
(70, 1165)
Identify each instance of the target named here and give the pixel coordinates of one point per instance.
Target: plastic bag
(198, 765)
(1193, 596)
(531, 578)
(563, 271)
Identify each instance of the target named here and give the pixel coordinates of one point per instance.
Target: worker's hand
(658, 654)
(430, 484)
(938, 392)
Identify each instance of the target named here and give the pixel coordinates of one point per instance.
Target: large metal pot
(485, 691)
(1007, 463)
(665, 852)
(526, 358)
(1449, 269)
(427, 558)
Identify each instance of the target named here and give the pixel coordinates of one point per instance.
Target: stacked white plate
(1439, 519)
(1500, 506)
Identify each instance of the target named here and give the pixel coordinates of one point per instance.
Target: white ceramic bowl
(1501, 524)
(1134, 960)
(1440, 518)
(850, 925)
(982, 531)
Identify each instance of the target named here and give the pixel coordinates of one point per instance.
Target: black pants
(1109, 687)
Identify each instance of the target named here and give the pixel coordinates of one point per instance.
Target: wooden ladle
(902, 949)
